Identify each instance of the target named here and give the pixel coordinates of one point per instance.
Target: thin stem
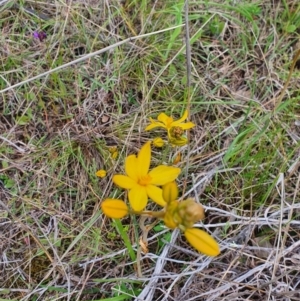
(188, 75)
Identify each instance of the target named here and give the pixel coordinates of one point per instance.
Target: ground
(118, 64)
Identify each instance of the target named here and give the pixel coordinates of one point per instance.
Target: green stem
(125, 238)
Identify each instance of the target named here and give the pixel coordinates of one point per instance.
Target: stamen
(145, 180)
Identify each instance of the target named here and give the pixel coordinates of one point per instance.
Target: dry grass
(56, 130)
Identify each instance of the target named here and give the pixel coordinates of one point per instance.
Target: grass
(117, 66)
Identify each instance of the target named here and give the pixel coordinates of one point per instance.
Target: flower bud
(202, 242)
(158, 142)
(101, 173)
(171, 217)
(170, 191)
(114, 208)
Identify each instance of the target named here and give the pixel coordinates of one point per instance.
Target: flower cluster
(184, 215)
(159, 185)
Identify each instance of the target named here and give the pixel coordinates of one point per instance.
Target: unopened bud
(101, 173)
(114, 208)
(171, 216)
(202, 241)
(158, 142)
(170, 191)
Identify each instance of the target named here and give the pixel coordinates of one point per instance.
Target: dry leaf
(144, 245)
(105, 119)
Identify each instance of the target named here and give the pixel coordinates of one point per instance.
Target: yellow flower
(158, 142)
(168, 122)
(202, 241)
(114, 208)
(143, 183)
(101, 173)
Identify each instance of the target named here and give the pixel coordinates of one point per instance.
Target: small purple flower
(41, 35)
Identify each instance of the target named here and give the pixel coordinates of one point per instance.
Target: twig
(21, 150)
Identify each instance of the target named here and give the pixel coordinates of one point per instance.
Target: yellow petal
(154, 124)
(124, 181)
(114, 208)
(170, 191)
(202, 242)
(187, 125)
(131, 164)
(162, 117)
(155, 194)
(183, 118)
(162, 174)
(138, 198)
(144, 158)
